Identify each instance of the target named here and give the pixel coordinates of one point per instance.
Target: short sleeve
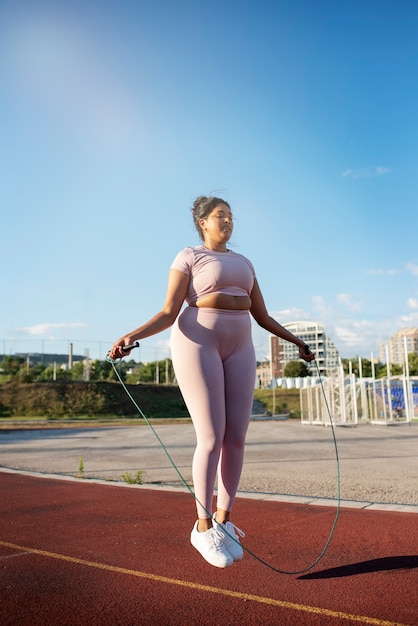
(183, 262)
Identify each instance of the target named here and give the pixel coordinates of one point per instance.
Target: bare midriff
(224, 301)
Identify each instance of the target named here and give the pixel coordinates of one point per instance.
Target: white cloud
(349, 336)
(363, 337)
(367, 172)
(290, 315)
(409, 320)
(321, 308)
(409, 267)
(412, 268)
(159, 350)
(381, 171)
(412, 303)
(348, 301)
(47, 329)
(381, 272)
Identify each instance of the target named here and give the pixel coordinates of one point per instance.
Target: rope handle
(130, 346)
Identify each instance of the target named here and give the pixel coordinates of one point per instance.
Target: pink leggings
(214, 362)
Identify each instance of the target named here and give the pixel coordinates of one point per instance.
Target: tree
(296, 369)
(366, 367)
(77, 370)
(12, 364)
(103, 370)
(147, 372)
(413, 363)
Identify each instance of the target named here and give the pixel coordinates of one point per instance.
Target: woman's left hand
(305, 353)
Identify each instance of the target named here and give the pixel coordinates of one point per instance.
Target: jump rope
(128, 348)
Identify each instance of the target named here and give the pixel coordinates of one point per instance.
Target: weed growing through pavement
(133, 480)
(80, 468)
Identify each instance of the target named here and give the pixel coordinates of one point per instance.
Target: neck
(216, 247)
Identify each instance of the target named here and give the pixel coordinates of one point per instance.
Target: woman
(214, 362)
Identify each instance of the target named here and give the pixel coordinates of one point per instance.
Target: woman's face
(218, 225)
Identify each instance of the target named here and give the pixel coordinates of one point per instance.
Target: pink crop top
(214, 272)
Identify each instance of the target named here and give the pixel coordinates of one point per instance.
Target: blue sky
(116, 115)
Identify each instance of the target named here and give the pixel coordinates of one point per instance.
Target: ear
(202, 222)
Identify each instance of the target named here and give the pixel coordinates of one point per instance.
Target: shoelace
(217, 537)
(234, 530)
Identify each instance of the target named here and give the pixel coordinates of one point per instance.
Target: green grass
(285, 400)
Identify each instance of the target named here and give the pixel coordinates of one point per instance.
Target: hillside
(78, 399)
(58, 400)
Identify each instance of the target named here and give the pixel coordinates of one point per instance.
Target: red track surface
(81, 553)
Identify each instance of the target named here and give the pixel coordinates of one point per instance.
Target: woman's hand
(118, 350)
(305, 353)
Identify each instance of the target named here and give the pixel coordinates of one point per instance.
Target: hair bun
(199, 201)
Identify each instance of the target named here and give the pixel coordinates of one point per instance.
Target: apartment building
(312, 333)
(396, 345)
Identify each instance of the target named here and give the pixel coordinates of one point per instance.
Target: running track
(84, 553)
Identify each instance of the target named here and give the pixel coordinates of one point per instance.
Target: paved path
(378, 464)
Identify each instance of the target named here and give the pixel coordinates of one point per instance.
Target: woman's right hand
(117, 350)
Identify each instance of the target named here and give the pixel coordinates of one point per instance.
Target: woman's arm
(261, 316)
(177, 286)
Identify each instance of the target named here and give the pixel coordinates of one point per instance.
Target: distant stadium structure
(350, 400)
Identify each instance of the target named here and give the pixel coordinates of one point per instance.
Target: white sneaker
(231, 540)
(211, 545)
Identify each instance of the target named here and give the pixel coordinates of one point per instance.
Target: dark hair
(202, 207)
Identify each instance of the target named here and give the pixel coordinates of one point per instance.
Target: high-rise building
(312, 333)
(396, 345)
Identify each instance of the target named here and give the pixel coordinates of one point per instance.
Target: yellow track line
(190, 585)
